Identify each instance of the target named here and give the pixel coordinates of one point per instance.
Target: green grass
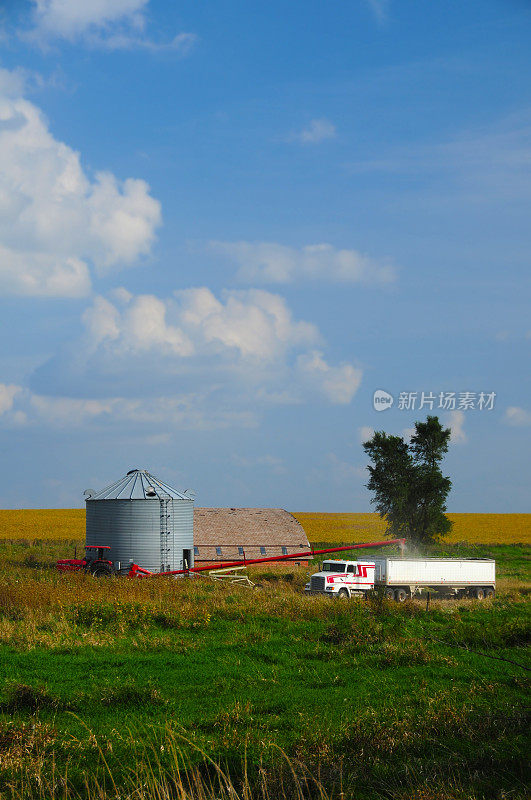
(131, 678)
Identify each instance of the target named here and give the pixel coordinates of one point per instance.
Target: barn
(235, 534)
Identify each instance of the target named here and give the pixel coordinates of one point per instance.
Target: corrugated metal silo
(143, 520)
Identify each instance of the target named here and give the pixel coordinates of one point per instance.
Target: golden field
(43, 523)
(69, 523)
(473, 528)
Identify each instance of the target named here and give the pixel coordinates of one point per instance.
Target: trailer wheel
(479, 593)
(102, 570)
(400, 595)
(489, 592)
(389, 594)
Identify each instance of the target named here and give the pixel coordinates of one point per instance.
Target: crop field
(32, 524)
(188, 689)
(471, 528)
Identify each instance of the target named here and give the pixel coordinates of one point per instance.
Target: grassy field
(187, 689)
(57, 524)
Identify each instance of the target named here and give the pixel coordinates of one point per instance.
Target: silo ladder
(164, 535)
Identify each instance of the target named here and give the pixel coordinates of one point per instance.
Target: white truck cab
(342, 578)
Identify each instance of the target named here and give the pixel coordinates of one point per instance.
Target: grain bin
(143, 520)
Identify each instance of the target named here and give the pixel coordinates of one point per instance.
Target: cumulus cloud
(249, 325)
(241, 351)
(515, 415)
(270, 262)
(338, 384)
(317, 131)
(55, 220)
(111, 24)
(254, 323)
(456, 421)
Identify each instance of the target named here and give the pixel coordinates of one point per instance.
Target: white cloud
(8, 392)
(455, 421)
(365, 433)
(42, 274)
(144, 327)
(69, 18)
(317, 131)
(109, 24)
(182, 44)
(255, 323)
(234, 355)
(252, 324)
(270, 262)
(22, 407)
(338, 384)
(515, 415)
(408, 433)
(55, 220)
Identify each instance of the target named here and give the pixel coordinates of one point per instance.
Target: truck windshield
(334, 566)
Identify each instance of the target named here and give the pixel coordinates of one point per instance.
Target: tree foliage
(409, 488)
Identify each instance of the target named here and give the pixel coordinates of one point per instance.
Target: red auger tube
(136, 571)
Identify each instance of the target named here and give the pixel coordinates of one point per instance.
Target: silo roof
(139, 484)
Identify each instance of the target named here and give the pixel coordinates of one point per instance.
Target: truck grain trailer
(400, 578)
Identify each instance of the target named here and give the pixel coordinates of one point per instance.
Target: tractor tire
(389, 594)
(101, 570)
(400, 595)
(479, 594)
(343, 594)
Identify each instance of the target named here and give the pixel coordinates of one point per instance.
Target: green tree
(409, 488)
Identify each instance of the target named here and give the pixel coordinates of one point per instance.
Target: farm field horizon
(474, 528)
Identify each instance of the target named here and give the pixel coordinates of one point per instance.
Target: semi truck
(400, 578)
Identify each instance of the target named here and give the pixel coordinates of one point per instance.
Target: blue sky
(224, 226)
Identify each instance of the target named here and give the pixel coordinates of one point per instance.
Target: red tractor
(94, 562)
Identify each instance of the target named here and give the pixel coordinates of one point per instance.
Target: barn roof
(250, 528)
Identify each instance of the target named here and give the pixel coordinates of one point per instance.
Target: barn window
(262, 550)
(240, 550)
(218, 551)
(284, 550)
(196, 551)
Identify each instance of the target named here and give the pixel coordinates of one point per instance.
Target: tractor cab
(94, 562)
(94, 552)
